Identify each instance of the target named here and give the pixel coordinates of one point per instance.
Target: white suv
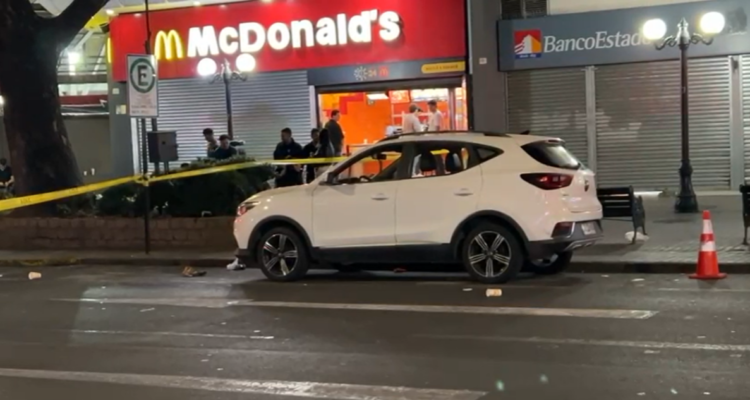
(495, 203)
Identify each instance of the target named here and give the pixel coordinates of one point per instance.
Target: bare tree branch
(74, 18)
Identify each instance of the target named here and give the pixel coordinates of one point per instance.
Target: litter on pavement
(494, 292)
(34, 275)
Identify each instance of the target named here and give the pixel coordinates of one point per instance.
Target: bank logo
(168, 46)
(527, 43)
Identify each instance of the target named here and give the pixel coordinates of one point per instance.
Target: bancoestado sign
(613, 37)
(252, 37)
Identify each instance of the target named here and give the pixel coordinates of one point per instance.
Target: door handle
(379, 196)
(463, 192)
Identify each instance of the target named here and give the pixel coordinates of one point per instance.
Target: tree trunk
(40, 152)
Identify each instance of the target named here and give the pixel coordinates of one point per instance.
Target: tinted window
(552, 155)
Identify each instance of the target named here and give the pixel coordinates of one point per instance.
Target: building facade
(593, 80)
(310, 57)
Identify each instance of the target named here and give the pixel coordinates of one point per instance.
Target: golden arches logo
(168, 46)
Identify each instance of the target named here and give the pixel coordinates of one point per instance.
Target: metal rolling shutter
(638, 124)
(746, 111)
(262, 106)
(267, 103)
(550, 103)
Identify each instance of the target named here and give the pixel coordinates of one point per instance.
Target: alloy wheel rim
(279, 255)
(489, 254)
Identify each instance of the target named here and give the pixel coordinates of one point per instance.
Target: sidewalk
(672, 246)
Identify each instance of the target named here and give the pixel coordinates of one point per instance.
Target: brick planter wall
(115, 233)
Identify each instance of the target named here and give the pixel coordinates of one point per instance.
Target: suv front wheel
(282, 255)
(491, 253)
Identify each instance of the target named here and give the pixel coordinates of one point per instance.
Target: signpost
(143, 102)
(143, 86)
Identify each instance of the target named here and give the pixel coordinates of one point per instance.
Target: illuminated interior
(367, 117)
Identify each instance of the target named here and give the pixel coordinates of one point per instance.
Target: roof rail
(399, 135)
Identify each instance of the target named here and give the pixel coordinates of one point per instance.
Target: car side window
(440, 158)
(380, 164)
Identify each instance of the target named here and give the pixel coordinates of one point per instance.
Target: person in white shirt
(435, 119)
(411, 122)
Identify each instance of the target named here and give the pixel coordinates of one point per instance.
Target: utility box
(162, 146)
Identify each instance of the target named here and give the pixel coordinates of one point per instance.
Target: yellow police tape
(18, 202)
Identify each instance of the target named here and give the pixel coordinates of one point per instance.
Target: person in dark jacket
(288, 149)
(309, 152)
(325, 150)
(337, 134)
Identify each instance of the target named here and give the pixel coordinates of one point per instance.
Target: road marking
(318, 390)
(180, 334)
(704, 290)
(593, 342)
(526, 311)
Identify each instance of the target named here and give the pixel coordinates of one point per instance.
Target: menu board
(399, 96)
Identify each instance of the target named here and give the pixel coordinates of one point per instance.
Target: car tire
(558, 263)
(495, 244)
(277, 249)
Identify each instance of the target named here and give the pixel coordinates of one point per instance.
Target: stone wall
(115, 233)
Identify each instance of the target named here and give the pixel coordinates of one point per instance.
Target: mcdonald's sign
(168, 46)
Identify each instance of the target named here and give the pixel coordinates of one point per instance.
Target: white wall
(577, 6)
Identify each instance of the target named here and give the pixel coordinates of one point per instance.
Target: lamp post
(208, 67)
(711, 24)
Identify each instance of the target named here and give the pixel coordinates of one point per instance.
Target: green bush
(214, 194)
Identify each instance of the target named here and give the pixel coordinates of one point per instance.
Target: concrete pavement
(146, 332)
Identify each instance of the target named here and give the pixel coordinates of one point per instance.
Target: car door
(431, 205)
(355, 206)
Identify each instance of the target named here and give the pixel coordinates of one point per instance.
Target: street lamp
(711, 24)
(244, 63)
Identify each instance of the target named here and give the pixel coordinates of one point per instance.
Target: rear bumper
(543, 249)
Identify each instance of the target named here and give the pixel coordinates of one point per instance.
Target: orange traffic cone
(708, 261)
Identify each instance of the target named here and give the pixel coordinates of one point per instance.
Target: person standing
(335, 132)
(211, 143)
(309, 151)
(288, 149)
(411, 122)
(6, 176)
(435, 119)
(325, 150)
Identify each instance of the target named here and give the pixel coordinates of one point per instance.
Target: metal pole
(144, 151)
(228, 101)
(686, 201)
(146, 189)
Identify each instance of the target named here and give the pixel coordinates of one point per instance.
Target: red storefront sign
(292, 34)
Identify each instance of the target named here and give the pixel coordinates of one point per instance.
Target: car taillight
(548, 181)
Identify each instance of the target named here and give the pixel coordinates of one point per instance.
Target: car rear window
(552, 154)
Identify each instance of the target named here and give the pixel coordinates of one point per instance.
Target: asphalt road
(148, 333)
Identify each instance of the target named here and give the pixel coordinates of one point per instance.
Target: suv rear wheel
(282, 255)
(491, 253)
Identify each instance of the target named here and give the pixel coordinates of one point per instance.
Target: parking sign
(143, 93)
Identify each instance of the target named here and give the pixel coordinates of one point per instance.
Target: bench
(621, 203)
(745, 191)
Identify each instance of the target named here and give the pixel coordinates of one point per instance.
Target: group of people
(411, 122)
(324, 143)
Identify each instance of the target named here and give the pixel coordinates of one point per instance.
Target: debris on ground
(468, 289)
(494, 292)
(34, 275)
(543, 379)
(500, 386)
(190, 272)
(638, 280)
(673, 391)
(148, 309)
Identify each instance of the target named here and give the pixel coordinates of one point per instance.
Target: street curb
(592, 267)
(639, 267)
